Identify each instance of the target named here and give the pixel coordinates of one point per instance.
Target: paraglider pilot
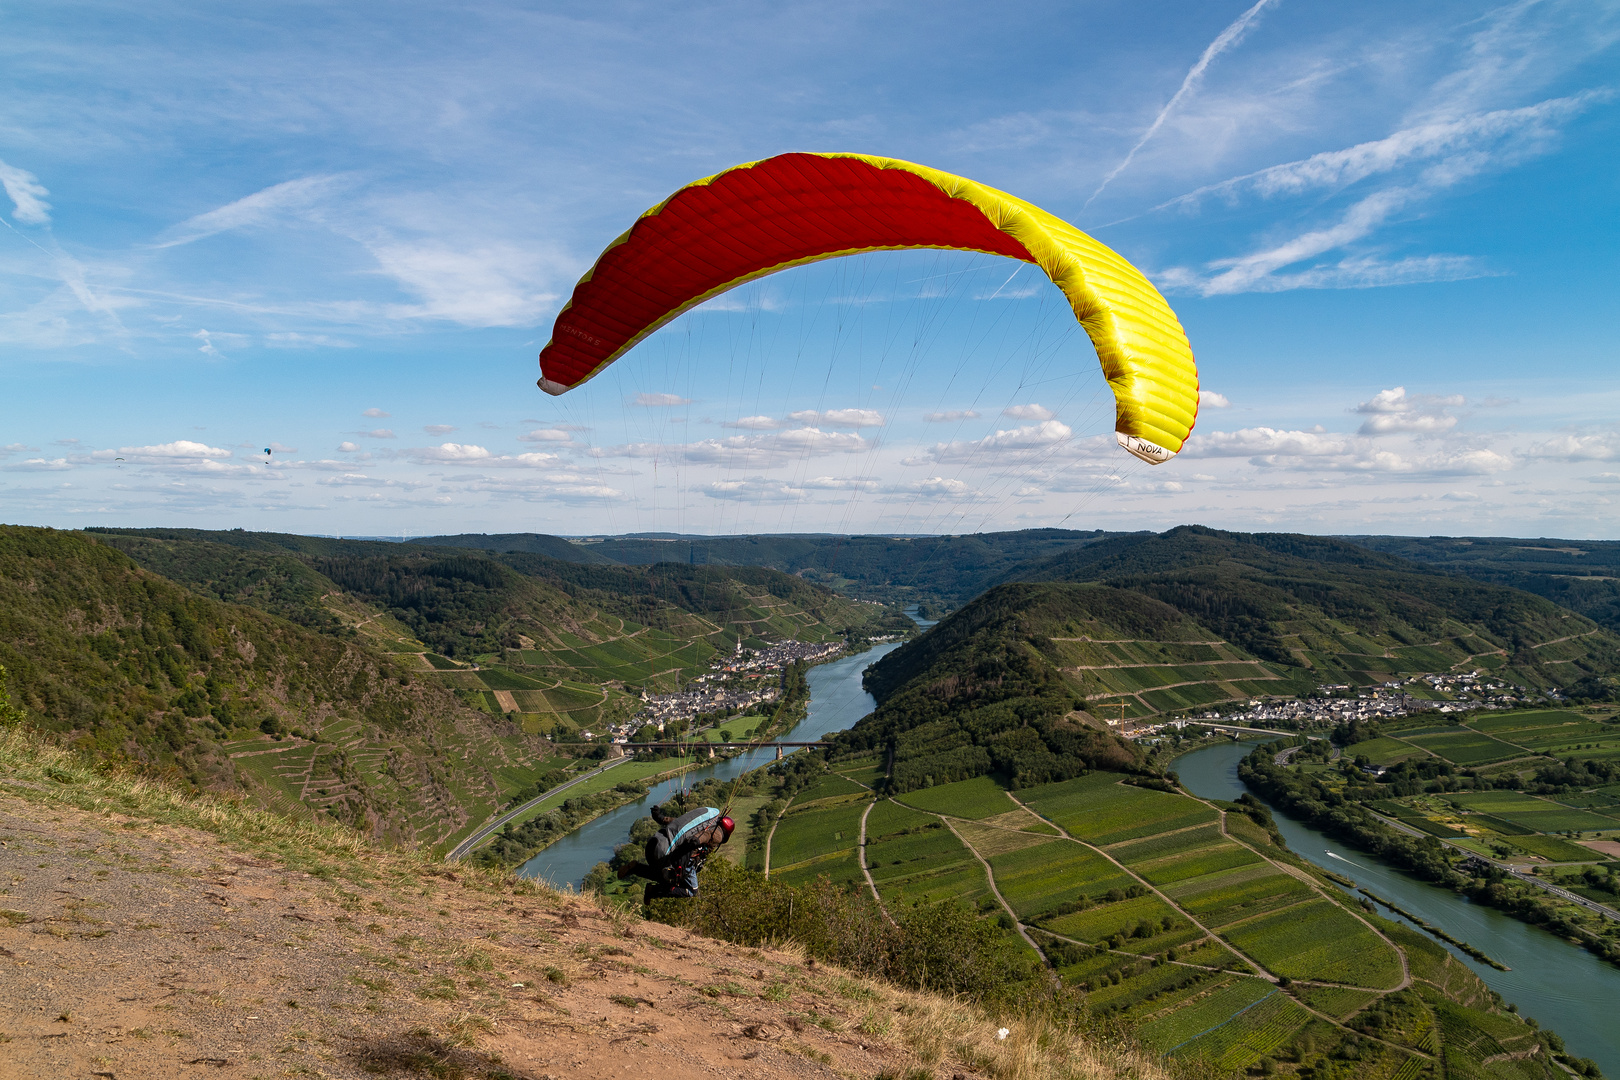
(677, 851)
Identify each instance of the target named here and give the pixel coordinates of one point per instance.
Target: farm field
(1101, 810)
(1223, 898)
(1120, 918)
(867, 771)
(927, 865)
(1465, 747)
(1042, 876)
(1386, 750)
(810, 834)
(1538, 815)
(1319, 940)
(978, 798)
(1167, 1033)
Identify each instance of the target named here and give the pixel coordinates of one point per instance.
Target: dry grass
(941, 1035)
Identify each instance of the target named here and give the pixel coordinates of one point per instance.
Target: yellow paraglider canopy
(758, 218)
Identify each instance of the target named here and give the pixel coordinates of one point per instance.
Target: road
(1528, 879)
(460, 850)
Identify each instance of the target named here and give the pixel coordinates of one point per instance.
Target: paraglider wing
(793, 209)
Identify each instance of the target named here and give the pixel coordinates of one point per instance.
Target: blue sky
(343, 231)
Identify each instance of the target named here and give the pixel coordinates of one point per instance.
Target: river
(1563, 986)
(837, 700)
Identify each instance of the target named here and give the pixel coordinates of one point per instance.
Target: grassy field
(928, 865)
(866, 771)
(1539, 815)
(811, 834)
(1101, 810)
(828, 786)
(975, 799)
(1040, 877)
(1465, 747)
(1319, 940)
(1118, 919)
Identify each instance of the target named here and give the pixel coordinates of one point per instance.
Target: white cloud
(1461, 496)
(747, 451)
(1394, 410)
(380, 433)
(439, 429)
(1228, 38)
(377, 414)
(1604, 478)
(257, 209)
(207, 345)
(27, 195)
(181, 450)
(1416, 423)
(1021, 440)
(754, 423)
(39, 465)
(658, 401)
(451, 452)
(1209, 399)
(15, 448)
(935, 487)
(547, 435)
(1443, 154)
(845, 418)
(347, 447)
(1027, 412)
(494, 284)
(280, 449)
(292, 340)
(1441, 139)
(470, 454)
(1578, 448)
(841, 483)
(951, 416)
(1264, 440)
(754, 489)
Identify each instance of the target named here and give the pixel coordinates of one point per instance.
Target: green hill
(1582, 575)
(131, 666)
(396, 687)
(1138, 626)
(933, 571)
(1346, 613)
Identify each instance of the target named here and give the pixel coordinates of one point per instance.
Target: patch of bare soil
(132, 950)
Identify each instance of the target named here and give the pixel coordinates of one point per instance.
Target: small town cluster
(1334, 704)
(736, 682)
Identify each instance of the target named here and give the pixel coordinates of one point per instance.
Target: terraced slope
(1194, 926)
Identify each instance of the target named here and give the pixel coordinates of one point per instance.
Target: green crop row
(1319, 941)
(1038, 878)
(978, 798)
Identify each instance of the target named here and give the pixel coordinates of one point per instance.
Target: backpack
(665, 843)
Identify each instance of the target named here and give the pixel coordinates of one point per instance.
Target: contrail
(1225, 40)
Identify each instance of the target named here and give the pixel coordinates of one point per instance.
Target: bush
(942, 946)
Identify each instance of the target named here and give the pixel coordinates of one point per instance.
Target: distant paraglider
(756, 219)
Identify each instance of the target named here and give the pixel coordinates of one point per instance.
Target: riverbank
(1556, 983)
(836, 700)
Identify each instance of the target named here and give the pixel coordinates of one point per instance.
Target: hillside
(1140, 626)
(986, 691)
(1343, 612)
(558, 646)
(402, 690)
(1582, 575)
(131, 666)
(934, 571)
(149, 935)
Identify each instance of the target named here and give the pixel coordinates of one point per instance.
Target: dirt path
(990, 878)
(1148, 886)
(1316, 887)
(149, 952)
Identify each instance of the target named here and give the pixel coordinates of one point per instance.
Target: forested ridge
(1001, 686)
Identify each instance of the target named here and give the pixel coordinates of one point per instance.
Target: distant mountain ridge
(1582, 575)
